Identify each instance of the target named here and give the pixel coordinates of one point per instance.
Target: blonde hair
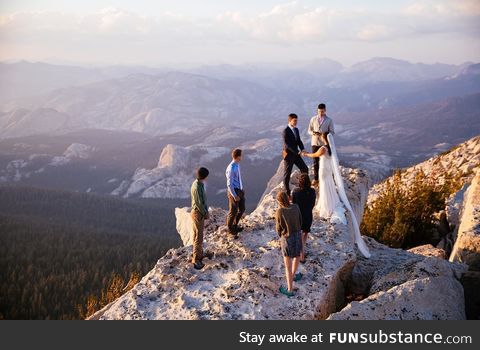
(282, 198)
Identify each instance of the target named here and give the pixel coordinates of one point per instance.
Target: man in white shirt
(319, 124)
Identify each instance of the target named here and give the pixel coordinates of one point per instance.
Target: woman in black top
(304, 196)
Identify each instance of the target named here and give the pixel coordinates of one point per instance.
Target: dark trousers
(235, 210)
(288, 167)
(316, 162)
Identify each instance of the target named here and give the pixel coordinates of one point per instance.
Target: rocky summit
(242, 280)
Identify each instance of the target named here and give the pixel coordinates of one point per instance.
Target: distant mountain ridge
(157, 105)
(395, 114)
(25, 79)
(385, 69)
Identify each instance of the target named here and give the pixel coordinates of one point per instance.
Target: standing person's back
(305, 199)
(288, 223)
(304, 196)
(289, 220)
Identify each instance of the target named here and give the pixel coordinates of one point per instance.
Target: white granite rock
(467, 244)
(447, 164)
(173, 175)
(428, 250)
(242, 280)
(429, 298)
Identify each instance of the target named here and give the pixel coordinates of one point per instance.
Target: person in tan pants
(199, 215)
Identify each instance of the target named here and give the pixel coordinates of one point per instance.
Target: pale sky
(239, 31)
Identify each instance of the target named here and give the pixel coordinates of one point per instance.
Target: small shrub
(403, 217)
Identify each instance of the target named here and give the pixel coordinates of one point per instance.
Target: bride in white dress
(332, 193)
(328, 200)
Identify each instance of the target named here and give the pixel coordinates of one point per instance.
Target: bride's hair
(327, 144)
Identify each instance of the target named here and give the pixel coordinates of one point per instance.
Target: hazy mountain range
(388, 113)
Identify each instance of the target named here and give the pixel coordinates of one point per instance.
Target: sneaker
(285, 291)
(208, 255)
(198, 265)
(297, 277)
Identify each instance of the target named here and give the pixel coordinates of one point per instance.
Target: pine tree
(403, 216)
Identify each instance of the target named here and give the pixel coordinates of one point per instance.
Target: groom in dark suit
(292, 148)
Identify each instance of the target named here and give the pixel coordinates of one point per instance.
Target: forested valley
(65, 254)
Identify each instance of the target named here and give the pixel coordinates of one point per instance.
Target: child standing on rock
(288, 222)
(199, 215)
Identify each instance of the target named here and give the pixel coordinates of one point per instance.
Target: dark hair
(202, 173)
(322, 106)
(327, 144)
(292, 116)
(282, 198)
(304, 181)
(236, 153)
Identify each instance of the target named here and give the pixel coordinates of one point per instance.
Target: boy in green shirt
(199, 214)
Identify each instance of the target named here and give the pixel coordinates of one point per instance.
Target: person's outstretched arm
(320, 152)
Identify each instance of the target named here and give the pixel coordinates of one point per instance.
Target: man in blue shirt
(235, 194)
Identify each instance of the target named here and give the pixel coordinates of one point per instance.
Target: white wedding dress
(328, 199)
(332, 195)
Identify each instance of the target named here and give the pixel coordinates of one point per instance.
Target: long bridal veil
(343, 197)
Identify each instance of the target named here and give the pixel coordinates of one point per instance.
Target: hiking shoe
(198, 265)
(285, 291)
(297, 277)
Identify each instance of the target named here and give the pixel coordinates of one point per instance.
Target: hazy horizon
(190, 65)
